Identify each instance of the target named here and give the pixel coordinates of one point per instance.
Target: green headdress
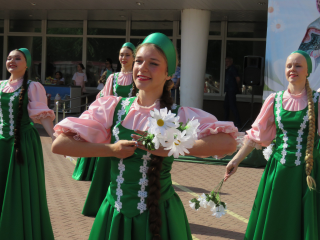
(308, 59)
(130, 45)
(163, 42)
(27, 55)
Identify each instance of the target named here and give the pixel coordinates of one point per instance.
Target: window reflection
(238, 50)
(99, 49)
(106, 27)
(65, 27)
(215, 28)
(34, 44)
(1, 25)
(144, 28)
(25, 26)
(63, 54)
(212, 77)
(247, 29)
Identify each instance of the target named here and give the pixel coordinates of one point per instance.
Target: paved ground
(66, 197)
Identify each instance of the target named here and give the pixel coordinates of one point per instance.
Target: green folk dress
(24, 212)
(123, 214)
(285, 208)
(86, 166)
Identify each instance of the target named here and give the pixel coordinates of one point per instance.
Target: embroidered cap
(308, 59)
(27, 54)
(163, 42)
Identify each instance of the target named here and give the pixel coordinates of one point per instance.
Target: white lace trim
(44, 115)
(11, 117)
(120, 180)
(142, 206)
(76, 137)
(268, 151)
(299, 139)
(130, 93)
(114, 85)
(280, 125)
(121, 166)
(3, 84)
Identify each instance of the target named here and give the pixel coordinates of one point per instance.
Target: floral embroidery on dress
(280, 125)
(11, 117)
(299, 139)
(2, 85)
(142, 206)
(121, 166)
(115, 80)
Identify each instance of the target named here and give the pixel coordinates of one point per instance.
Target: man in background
(231, 88)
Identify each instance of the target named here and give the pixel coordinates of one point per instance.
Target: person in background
(231, 88)
(175, 88)
(108, 68)
(58, 80)
(105, 73)
(79, 78)
(119, 84)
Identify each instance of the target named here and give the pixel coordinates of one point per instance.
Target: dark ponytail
(17, 149)
(154, 173)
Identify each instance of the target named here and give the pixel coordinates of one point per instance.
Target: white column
(194, 44)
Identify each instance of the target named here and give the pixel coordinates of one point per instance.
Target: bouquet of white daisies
(165, 130)
(212, 201)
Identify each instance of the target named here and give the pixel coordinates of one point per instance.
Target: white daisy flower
(159, 140)
(218, 211)
(193, 205)
(162, 120)
(203, 200)
(178, 142)
(192, 128)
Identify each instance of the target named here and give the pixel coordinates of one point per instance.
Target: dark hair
(17, 135)
(59, 73)
(154, 171)
(81, 65)
(110, 61)
(102, 79)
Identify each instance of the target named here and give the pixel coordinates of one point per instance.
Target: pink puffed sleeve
(209, 124)
(107, 89)
(37, 106)
(263, 129)
(94, 124)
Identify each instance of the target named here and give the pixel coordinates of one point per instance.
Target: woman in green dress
(23, 205)
(117, 84)
(141, 203)
(287, 202)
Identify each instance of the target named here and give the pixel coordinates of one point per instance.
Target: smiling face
(126, 57)
(16, 63)
(296, 69)
(150, 69)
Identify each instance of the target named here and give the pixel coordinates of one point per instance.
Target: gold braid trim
(310, 140)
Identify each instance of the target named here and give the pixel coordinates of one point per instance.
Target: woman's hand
(231, 169)
(158, 152)
(123, 148)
